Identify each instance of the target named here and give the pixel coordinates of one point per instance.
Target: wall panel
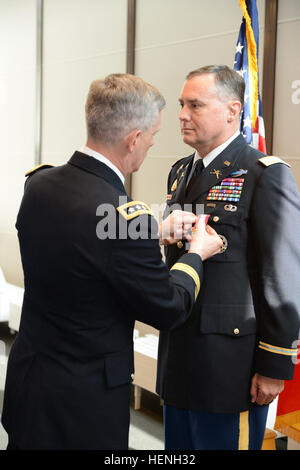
(83, 40)
(17, 120)
(287, 86)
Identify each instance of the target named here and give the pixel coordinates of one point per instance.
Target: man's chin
(187, 140)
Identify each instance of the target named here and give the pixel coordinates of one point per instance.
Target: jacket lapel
(180, 181)
(221, 167)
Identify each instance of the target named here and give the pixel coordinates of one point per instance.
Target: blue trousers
(195, 430)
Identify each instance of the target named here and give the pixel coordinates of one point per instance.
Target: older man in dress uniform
(92, 265)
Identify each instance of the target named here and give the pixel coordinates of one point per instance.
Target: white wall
(17, 119)
(83, 40)
(287, 86)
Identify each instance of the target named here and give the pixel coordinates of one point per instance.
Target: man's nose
(184, 115)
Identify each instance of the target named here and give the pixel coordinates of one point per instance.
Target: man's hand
(205, 241)
(264, 389)
(177, 226)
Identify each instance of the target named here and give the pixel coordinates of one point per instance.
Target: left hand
(265, 389)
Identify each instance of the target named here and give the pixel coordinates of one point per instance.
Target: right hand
(205, 241)
(177, 226)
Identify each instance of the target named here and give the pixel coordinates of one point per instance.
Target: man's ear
(234, 110)
(132, 139)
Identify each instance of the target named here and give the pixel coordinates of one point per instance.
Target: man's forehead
(197, 86)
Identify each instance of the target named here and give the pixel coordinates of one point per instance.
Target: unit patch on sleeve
(133, 209)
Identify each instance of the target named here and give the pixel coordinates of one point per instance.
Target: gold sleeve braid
(190, 272)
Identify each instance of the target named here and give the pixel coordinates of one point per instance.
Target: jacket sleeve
(144, 286)
(275, 224)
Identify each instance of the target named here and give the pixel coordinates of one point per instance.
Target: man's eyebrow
(194, 100)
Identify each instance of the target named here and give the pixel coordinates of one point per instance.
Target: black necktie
(197, 168)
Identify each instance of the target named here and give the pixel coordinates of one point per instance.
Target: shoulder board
(37, 168)
(267, 161)
(133, 209)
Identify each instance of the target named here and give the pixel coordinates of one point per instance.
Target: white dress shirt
(211, 155)
(216, 151)
(102, 159)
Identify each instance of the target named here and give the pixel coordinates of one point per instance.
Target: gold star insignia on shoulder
(133, 209)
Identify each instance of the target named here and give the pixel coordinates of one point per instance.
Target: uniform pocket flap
(225, 213)
(234, 320)
(119, 368)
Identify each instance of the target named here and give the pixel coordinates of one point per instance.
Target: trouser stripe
(244, 430)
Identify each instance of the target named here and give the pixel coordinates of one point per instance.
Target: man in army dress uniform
(89, 276)
(218, 372)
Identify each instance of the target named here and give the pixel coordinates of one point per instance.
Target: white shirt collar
(216, 151)
(101, 158)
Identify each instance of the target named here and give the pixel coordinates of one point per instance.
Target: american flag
(246, 64)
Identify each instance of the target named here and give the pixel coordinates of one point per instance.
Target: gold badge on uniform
(225, 243)
(174, 185)
(216, 172)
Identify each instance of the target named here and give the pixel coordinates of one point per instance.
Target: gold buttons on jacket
(236, 331)
(179, 244)
(216, 218)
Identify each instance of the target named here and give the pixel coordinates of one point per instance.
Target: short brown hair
(227, 80)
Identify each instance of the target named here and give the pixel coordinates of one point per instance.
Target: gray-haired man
(70, 368)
